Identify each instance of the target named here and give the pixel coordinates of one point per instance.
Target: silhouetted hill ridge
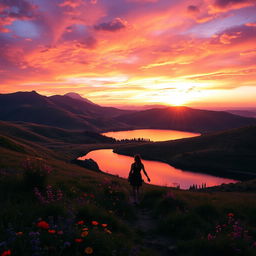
(69, 113)
(59, 111)
(184, 118)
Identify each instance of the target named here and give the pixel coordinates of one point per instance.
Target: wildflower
(19, 233)
(80, 222)
(85, 229)
(210, 237)
(95, 223)
(78, 240)
(88, 250)
(104, 225)
(107, 231)
(60, 232)
(51, 231)
(84, 233)
(43, 224)
(5, 253)
(231, 215)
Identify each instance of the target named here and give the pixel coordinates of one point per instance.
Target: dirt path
(146, 227)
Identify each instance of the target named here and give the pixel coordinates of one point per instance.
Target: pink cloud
(250, 24)
(227, 38)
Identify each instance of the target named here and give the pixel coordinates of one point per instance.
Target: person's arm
(143, 168)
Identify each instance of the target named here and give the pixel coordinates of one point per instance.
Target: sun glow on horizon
(137, 51)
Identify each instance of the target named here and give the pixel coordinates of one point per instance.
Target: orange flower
(95, 223)
(88, 250)
(5, 253)
(43, 224)
(107, 231)
(81, 222)
(104, 225)
(51, 231)
(84, 233)
(79, 240)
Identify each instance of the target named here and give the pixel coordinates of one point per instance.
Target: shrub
(35, 173)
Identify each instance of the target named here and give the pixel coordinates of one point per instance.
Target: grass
(98, 203)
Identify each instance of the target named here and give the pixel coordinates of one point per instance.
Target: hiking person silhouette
(135, 178)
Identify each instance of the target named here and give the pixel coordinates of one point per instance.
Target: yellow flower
(84, 233)
(88, 250)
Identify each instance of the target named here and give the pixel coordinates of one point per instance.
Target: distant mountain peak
(77, 96)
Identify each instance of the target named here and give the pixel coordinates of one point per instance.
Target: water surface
(152, 134)
(160, 173)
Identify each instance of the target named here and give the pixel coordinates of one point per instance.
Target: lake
(152, 134)
(160, 173)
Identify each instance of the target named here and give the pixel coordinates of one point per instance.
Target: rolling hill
(58, 111)
(186, 119)
(77, 113)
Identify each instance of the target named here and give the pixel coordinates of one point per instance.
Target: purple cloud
(114, 25)
(14, 10)
(80, 34)
(193, 9)
(225, 3)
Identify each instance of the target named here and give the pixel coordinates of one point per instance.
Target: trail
(145, 226)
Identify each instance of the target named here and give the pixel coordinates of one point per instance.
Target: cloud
(226, 38)
(80, 35)
(114, 25)
(226, 5)
(15, 10)
(193, 9)
(250, 24)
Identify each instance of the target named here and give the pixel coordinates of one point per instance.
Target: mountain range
(71, 111)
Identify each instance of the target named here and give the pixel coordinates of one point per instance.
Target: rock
(88, 164)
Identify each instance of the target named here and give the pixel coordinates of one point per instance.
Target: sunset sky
(199, 53)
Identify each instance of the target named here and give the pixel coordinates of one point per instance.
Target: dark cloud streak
(114, 25)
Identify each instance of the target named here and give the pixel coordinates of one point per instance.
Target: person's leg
(137, 194)
(134, 193)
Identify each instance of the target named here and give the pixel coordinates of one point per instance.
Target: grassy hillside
(84, 212)
(231, 153)
(50, 207)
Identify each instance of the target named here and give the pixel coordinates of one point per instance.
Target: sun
(179, 100)
(176, 98)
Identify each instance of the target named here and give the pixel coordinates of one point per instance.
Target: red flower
(43, 224)
(81, 222)
(104, 225)
(5, 253)
(231, 215)
(95, 223)
(78, 240)
(51, 231)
